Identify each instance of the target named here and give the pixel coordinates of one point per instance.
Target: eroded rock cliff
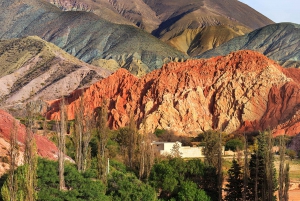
(241, 91)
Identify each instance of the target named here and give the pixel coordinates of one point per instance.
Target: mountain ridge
(33, 68)
(231, 93)
(280, 42)
(85, 35)
(169, 20)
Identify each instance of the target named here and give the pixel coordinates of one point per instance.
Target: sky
(277, 10)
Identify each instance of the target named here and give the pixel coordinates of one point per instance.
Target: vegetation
(235, 183)
(120, 165)
(171, 178)
(234, 145)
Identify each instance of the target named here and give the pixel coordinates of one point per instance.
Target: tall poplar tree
(30, 157)
(10, 188)
(102, 133)
(83, 133)
(262, 182)
(213, 155)
(246, 169)
(61, 131)
(283, 172)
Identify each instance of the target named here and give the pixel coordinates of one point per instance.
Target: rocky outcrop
(243, 91)
(45, 147)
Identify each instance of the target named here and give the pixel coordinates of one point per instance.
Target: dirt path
(294, 195)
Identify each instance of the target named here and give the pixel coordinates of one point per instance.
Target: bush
(126, 187)
(80, 186)
(234, 145)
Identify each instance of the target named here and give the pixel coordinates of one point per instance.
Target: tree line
(122, 165)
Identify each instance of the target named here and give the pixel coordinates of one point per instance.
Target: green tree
(188, 191)
(127, 187)
(130, 140)
(262, 182)
(234, 145)
(80, 185)
(213, 155)
(102, 134)
(30, 157)
(83, 133)
(172, 177)
(235, 183)
(283, 177)
(211, 148)
(10, 191)
(22, 184)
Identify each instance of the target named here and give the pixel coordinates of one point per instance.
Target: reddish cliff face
(45, 147)
(242, 91)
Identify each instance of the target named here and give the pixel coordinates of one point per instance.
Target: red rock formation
(241, 91)
(45, 147)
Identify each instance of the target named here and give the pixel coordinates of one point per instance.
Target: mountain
(85, 35)
(280, 42)
(179, 23)
(32, 69)
(102, 8)
(45, 148)
(243, 91)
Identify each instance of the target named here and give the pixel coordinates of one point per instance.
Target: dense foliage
(234, 187)
(176, 179)
(234, 145)
(169, 178)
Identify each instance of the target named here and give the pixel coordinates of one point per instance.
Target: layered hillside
(280, 42)
(85, 35)
(32, 69)
(45, 147)
(102, 8)
(180, 23)
(242, 91)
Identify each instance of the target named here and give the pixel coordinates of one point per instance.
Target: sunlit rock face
(243, 91)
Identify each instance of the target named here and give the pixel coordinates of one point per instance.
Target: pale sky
(277, 10)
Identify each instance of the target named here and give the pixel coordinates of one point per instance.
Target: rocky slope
(85, 35)
(31, 69)
(102, 8)
(280, 42)
(242, 91)
(177, 22)
(45, 147)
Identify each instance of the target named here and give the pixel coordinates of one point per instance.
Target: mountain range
(85, 35)
(280, 42)
(179, 23)
(242, 91)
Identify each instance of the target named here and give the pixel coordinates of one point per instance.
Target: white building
(165, 148)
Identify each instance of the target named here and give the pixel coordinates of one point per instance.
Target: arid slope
(178, 22)
(31, 69)
(85, 35)
(280, 42)
(45, 147)
(242, 91)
